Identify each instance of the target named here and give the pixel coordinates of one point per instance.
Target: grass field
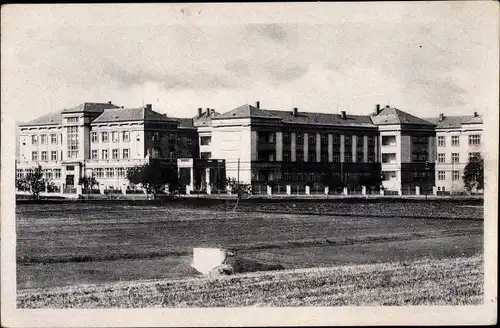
(68, 244)
(457, 281)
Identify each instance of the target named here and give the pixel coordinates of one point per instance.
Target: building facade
(284, 150)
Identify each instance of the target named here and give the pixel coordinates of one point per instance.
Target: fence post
(269, 190)
(417, 190)
(327, 190)
(308, 190)
(345, 191)
(363, 190)
(288, 190)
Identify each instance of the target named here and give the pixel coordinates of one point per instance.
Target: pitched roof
(391, 115)
(247, 111)
(131, 114)
(455, 121)
(184, 123)
(48, 119)
(287, 117)
(89, 107)
(204, 118)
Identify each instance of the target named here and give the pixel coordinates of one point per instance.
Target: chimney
(212, 111)
(257, 104)
(441, 117)
(475, 114)
(149, 106)
(343, 115)
(377, 109)
(200, 111)
(208, 111)
(109, 102)
(295, 111)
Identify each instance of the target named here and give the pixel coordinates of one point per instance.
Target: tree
(153, 178)
(87, 183)
(34, 182)
(239, 188)
(473, 176)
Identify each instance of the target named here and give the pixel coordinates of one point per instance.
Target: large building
(283, 150)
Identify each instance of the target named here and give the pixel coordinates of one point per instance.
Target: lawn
(68, 244)
(456, 281)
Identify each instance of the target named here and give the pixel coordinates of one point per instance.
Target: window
(43, 139)
(324, 139)
(205, 141)
(53, 139)
(115, 136)
(47, 173)
(286, 176)
(455, 175)
(20, 173)
(44, 156)
(99, 173)
(34, 156)
(455, 141)
(94, 137)
(441, 141)
(312, 138)
(126, 153)
(455, 157)
(472, 156)
(72, 135)
(324, 158)
(110, 172)
(312, 156)
(360, 141)
(57, 173)
(104, 136)
(300, 139)
(348, 158)
(126, 136)
(441, 175)
(371, 141)
(70, 168)
(388, 140)
(34, 140)
(441, 158)
(336, 157)
(371, 158)
(53, 155)
(156, 136)
(286, 156)
(299, 156)
(388, 175)
(72, 120)
(347, 140)
(336, 139)
(389, 158)
(286, 138)
(120, 172)
(206, 155)
(104, 154)
(360, 157)
(114, 154)
(94, 154)
(474, 140)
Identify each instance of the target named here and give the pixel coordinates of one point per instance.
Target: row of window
(47, 173)
(109, 172)
(474, 140)
(455, 157)
(54, 156)
(115, 154)
(115, 136)
(455, 175)
(299, 138)
(44, 139)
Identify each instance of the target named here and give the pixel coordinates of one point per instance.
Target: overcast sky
(422, 58)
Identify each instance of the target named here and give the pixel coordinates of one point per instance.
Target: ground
(70, 244)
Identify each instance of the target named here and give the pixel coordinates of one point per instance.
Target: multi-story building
(459, 138)
(263, 147)
(102, 140)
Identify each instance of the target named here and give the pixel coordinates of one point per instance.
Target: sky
(424, 58)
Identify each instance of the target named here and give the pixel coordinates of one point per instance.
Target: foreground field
(68, 244)
(457, 281)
